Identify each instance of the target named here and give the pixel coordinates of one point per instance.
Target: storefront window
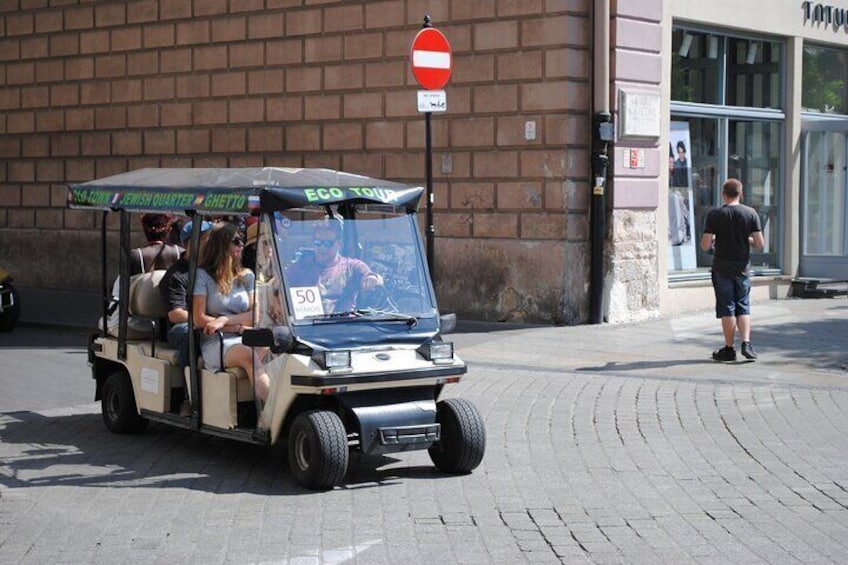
(754, 158)
(706, 180)
(753, 73)
(726, 122)
(825, 83)
(695, 67)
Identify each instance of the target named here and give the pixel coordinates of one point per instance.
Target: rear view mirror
(279, 340)
(447, 323)
(258, 337)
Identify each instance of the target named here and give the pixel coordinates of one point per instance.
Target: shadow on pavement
(77, 450)
(639, 365)
(474, 327)
(820, 344)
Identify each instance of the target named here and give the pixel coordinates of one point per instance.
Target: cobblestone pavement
(606, 444)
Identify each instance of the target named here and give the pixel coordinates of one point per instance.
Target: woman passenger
(158, 252)
(223, 301)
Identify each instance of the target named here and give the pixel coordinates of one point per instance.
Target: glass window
(695, 67)
(753, 73)
(706, 179)
(754, 158)
(825, 81)
(824, 210)
(726, 98)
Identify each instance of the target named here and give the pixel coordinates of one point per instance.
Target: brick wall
(89, 89)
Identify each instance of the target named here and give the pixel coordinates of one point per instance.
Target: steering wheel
(377, 298)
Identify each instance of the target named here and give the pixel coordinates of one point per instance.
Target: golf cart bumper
(392, 410)
(389, 428)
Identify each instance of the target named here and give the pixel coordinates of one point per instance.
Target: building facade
(90, 89)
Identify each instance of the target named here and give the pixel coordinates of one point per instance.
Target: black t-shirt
(174, 285)
(732, 225)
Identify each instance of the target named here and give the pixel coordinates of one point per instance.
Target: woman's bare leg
(242, 356)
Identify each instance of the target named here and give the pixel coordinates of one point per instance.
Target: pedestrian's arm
(707, 241)
(756, 240)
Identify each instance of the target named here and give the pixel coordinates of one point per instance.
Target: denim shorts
(732, 295)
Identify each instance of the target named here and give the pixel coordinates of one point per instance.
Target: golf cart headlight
(336, 360)
(437, 351)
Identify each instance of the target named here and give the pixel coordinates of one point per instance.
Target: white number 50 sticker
(306, 301)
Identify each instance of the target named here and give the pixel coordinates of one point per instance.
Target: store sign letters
(823, 14)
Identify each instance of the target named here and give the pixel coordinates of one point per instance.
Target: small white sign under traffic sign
(432, 101)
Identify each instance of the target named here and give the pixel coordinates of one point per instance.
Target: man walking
(731, 231)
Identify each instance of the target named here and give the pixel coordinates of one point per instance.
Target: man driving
(339, 279)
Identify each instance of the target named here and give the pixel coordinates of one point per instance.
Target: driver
(339, 278)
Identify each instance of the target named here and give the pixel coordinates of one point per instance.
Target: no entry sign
(431, 59)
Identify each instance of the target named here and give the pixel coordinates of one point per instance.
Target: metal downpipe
(602, 134)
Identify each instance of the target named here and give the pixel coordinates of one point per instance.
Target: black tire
(462, 443)
(9, 318)
(318, 450)
(117, 403)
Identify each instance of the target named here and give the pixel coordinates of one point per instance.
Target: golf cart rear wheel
(318, 450)
(463, 436)
(117, 403)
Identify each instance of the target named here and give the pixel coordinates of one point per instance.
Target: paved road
(43, 367)
(606, 444)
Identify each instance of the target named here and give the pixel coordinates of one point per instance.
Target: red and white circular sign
(431, 58)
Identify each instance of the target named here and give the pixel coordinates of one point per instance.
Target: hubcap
(302, 451)
(112, 406)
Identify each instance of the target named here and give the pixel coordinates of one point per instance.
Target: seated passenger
(338, 278)
(174, 287)
(223, 301)
(157, 254)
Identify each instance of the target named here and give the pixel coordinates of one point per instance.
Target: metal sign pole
(428, 173)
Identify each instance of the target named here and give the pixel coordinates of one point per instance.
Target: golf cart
(367, 378)
(10, 304)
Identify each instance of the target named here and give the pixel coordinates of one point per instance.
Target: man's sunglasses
(323, 242)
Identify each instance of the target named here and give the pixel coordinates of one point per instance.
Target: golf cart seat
(163, 352)
(221, 392)
(145, 299)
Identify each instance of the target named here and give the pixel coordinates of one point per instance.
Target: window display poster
(681, 213)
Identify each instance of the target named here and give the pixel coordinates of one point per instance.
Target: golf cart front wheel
(117, 403)
(318, 450)
(463, 437)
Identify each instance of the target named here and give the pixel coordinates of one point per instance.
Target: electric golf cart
(363, 374)
(10, 304)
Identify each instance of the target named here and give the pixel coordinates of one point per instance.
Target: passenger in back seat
(157, 253)
(224, 301)
(174, 288)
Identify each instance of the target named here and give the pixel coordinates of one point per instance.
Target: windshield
(358, 279)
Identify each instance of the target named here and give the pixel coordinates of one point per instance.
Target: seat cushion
(163, 352)
(145, 298)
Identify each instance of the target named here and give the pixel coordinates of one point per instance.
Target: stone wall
(90, 89)
(632, 277)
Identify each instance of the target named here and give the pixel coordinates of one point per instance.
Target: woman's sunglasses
(237, 240)
(323, 242)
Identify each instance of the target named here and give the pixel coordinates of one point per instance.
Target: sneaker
(726, 353)
(748, 350)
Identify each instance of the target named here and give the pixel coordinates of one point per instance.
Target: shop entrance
(824, 200)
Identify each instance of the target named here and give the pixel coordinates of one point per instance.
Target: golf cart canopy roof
(236, 191)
